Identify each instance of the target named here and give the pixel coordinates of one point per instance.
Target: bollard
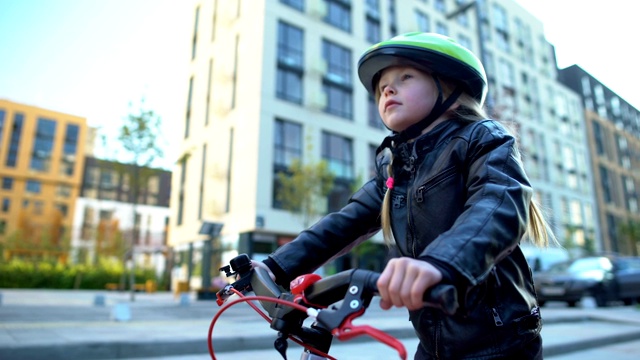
(121, 312)
(99, 300)
(588, 302)
(184, 299)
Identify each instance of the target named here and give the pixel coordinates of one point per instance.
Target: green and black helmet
(437, 53)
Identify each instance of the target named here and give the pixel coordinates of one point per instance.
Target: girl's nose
(389, 90)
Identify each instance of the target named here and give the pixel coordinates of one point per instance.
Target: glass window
(287, 143)
(34, 186)
(339, 14)
(287, 148)
(6, 204)
(7, 183)
(337, 82)
(422, 21)
(337, 151)
(372, 21)
(290, 63)
(14, 142)
(43, 145)
(71, 139)
(375, 121)
(296, 4)
(2, 114)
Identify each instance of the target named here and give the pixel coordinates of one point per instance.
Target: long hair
(538, 230)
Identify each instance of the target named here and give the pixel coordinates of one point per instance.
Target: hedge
(44, 275)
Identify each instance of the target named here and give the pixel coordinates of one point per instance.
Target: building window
(34, 186)
(290, 63)
(181, 194)
(194, 41)
(2, 114)
(441, 28)
(339, 14)
(287, 148)
(43, 145)
(6, 204)
(372, 160)
(605, 185)
(3, 226)
(7, 183)
(62, 208)
(337, 83)
(338, 153)
(70, 149)
(296, 4)
(373, 115)
(14, 142)
(372, 21)
(187, 120)
(63, 191)
(422, 21)
(502, 28)
(440, 5)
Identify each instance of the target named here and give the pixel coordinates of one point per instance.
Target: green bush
(44, 275)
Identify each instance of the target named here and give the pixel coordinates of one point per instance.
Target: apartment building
(41, 162)
(107, 222)
(613, 129)
(275, 80)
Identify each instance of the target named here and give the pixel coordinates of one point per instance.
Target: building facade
(41, 162)
(108, 222)
(613, 128)
(272, 81)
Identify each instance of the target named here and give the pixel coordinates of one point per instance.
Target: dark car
(604, 278)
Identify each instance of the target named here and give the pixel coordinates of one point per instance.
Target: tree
(630, 231)
(303, 188)
(138, 137)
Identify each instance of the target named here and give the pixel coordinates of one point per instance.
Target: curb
(176, 347)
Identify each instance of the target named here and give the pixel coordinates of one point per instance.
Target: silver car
(605, 278)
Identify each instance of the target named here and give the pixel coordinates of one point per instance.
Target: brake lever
(348, 331)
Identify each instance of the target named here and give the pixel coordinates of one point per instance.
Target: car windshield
(586, 264)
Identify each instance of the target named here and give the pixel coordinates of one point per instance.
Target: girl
(450, 194)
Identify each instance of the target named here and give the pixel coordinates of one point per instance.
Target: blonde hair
(538, 230)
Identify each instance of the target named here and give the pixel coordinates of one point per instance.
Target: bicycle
(332, 303)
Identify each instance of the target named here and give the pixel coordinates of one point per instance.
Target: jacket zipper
(412, 170)
(438, 179)
(496, 317)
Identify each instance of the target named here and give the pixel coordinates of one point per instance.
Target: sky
(93, 58)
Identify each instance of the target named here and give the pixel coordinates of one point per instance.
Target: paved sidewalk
(48, 324)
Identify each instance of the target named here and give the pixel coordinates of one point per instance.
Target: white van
(540, 259)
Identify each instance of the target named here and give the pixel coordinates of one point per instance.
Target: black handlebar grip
(440, 296)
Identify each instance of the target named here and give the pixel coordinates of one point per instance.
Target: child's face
(407, 95)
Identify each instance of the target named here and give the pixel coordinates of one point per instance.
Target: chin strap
(393, 141)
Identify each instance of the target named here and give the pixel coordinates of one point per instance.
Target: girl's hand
(261, 265)
(404, 282)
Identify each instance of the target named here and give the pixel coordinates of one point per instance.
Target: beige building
(41, 162)
(613, 127)
(275, 80)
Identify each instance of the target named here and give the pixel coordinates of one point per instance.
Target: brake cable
(311, 312)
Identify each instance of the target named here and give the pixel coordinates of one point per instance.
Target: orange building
(41, 161)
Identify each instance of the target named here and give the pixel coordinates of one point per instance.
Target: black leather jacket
(460, 201)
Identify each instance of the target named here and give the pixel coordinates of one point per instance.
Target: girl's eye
(406, 76)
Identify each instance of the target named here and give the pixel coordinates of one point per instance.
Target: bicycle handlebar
(342, 297)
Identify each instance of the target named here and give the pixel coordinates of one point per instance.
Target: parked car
(605, 278)
(541, 259)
